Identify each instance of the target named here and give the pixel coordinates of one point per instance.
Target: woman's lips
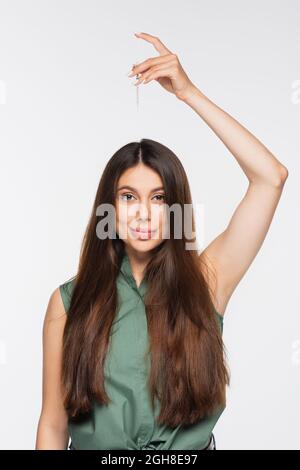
(142, 232)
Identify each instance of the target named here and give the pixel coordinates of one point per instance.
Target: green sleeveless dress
(129, 421)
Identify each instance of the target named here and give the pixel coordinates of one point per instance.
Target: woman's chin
(143, 245)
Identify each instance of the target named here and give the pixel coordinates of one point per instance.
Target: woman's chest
(129, 340)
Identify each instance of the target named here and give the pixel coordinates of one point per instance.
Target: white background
(67, 105)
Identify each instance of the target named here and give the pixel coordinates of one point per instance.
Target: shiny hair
(188, 368)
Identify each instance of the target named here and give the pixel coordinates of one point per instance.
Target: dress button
(140, 442)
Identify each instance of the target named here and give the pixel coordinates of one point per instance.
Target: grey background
(67, 105)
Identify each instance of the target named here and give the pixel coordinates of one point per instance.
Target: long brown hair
(188, 367)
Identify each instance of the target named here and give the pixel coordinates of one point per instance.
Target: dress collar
(127, 272)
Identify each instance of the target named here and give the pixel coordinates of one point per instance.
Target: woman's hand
(166, 69)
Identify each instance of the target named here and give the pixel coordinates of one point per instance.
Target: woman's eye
(130, 196)
(160, 196)
(125, 195)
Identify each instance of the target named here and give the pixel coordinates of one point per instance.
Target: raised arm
(232, 252)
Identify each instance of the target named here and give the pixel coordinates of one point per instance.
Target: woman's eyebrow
(133, 189)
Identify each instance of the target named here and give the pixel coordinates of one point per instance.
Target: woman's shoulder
(66, 290)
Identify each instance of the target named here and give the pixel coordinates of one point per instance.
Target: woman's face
(140, 208)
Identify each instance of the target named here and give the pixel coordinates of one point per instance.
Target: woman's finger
(159, 72)
(153, 61)
(159, 46)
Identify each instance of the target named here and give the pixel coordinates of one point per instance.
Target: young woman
(132, 344)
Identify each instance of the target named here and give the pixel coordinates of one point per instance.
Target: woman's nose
(144, 210)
